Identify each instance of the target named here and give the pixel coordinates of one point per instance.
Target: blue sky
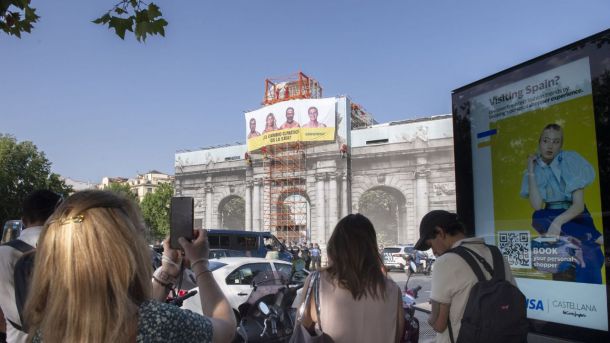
(99, 106)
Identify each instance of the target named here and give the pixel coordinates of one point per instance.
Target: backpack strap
(481, 260)
(19, 245)
(463, 253)
(498, 261)
(16, 326)
(24, 248)
(497, 273)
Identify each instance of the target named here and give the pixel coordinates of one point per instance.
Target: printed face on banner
(308, 120)
(535, 163)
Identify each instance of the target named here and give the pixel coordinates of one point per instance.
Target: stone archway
(294, 215)
(232, 213)
(385, 207)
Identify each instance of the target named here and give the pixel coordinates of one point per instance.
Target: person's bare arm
(214, 303)
(439, 316)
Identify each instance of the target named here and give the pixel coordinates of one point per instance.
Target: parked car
(247, 243)
(394, 256)
(234, 276)
(11, 230)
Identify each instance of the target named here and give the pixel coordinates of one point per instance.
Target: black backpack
(496, 309)
(22, 274)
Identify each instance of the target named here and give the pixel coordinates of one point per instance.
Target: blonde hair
(92, 271)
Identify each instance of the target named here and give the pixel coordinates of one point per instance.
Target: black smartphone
(181, 220)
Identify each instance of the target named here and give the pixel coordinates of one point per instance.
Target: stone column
(256, 208)
(208, 206)
(320, 208)
(344, 196)
(332, 201)
(248, 215)
(421, 190)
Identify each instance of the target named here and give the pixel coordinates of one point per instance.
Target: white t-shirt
(8, 258)
(452, 279)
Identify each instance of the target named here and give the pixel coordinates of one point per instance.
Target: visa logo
(534, 304)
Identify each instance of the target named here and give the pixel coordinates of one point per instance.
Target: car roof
(401, 246)
(240, 232)
(238, 260)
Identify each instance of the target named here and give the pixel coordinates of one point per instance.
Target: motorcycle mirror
(263, 308)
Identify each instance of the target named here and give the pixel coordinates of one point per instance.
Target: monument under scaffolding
(285, 204)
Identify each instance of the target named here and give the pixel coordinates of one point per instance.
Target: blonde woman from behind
(92, 280)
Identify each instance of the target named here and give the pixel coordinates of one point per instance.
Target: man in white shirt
(452, 277)
(37, 207)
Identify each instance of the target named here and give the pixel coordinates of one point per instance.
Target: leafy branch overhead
(135, 16)
(16, 16)
(143, 19)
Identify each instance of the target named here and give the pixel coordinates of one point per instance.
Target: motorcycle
(423, 267)
(411, 333)
(268, 315)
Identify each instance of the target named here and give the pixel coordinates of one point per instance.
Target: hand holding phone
(181, 220)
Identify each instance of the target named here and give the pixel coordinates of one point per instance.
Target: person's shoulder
(572, 157)
(448, 260)
(391, 285)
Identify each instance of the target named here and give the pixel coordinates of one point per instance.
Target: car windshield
(391, 250)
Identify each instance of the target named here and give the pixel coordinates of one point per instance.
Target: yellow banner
(291, 135)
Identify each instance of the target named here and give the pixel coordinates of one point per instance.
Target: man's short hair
(39, 205)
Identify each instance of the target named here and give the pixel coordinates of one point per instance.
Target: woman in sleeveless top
(358, 303)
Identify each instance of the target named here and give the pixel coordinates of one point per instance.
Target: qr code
(515, 246)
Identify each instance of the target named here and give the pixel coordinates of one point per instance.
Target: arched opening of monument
(293, 213)
(385, 207)
(232, 213)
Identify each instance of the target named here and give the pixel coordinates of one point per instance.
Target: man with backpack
(474, 296)
(37, 207)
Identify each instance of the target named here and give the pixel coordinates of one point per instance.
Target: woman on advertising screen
(554, 184)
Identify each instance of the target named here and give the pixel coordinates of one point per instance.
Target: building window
(377, 141)
(149, 190)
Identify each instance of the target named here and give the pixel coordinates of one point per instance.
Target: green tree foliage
(123, 189)
(135, 16)
(143, 19)
(16, 16)
(155, 209)
(23, 170)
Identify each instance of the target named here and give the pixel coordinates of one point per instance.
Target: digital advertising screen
(306, 120)
(534, 179)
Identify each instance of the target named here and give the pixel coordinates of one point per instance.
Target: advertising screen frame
(596, 49)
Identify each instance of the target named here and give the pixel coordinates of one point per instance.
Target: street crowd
(92, 282)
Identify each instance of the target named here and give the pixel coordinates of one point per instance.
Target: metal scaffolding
(285, 204)
(296, 86)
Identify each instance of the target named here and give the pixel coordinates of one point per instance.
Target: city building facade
(393, 173)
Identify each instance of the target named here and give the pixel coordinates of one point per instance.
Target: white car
(393, 256)
(234, 275)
